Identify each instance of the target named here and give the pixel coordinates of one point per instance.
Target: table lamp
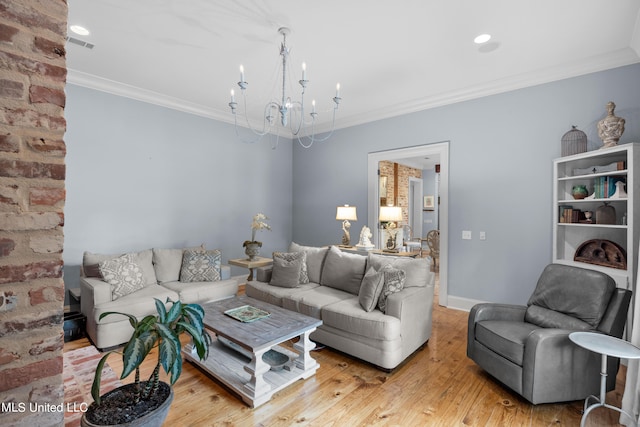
(344, 214)
(390, 215)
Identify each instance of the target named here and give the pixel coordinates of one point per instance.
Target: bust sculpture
(365, 238)
(610, 128)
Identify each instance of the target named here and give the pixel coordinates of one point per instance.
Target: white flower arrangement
(258, 223)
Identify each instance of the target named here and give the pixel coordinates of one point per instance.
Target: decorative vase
(606, 214)
(611, 128)
(579, 192)
(252, 249)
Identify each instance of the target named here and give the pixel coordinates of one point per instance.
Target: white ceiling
(390, 58)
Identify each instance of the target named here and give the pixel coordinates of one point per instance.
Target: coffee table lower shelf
(254, 382)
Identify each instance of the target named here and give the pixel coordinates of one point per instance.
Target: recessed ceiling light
(82, 31)
(482, 38)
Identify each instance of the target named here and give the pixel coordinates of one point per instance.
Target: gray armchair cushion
(505, 338)
(584, 294)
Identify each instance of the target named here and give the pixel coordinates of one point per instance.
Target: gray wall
(142, 176)
(501, 152)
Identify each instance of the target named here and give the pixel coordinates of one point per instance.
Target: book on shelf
(605, 186)
(571, 216)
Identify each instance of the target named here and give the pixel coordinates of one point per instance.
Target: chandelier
(291, 113)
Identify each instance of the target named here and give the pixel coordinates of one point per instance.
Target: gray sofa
(160, 271)
(334, 294)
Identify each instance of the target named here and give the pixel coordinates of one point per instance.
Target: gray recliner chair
(527, 348)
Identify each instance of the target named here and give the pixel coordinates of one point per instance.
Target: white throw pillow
(124, 274)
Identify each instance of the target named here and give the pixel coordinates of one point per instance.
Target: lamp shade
(390, 213)
(346, 212)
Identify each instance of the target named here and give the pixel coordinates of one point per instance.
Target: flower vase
(252, 249)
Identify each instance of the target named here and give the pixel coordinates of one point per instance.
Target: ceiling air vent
(80, 42)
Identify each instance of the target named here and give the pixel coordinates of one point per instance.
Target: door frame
(438, 148)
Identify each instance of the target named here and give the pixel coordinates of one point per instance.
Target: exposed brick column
(399, 180)
(32, 195)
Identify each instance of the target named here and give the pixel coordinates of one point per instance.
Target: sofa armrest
(225, 272)
(93, 291)
(414, 307)
(263, 274)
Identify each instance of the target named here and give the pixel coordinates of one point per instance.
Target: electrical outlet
(482, 235)
(466, 235)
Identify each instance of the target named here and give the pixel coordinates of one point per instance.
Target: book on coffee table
(247, 313)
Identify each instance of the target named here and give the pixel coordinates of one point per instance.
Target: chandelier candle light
(291, 112)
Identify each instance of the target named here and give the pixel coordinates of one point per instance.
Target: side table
(607, 346)
(247, 263)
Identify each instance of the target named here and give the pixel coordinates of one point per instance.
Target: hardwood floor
(437, 386)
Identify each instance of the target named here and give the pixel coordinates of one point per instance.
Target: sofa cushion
(286, 269)
(370, 289)
(90, 263)
(315, 259)
(167, 263)
(343, 270)
(504, 337)
(347, 315)
(417, 270)
(576, 292)
(124, 274)
(201, 292)
(311, 302)
(273, 294)
(393, 282)
(200, 265)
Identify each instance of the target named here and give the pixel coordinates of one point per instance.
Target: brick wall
(399, 175)
(32, 196)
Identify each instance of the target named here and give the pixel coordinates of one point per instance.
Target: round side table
(607, 346)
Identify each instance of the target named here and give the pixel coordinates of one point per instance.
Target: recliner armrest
(491, 311)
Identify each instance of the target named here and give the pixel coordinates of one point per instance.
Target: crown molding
(620, 58)
(611, 60)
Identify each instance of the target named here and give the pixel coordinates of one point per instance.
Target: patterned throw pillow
(291, 256)
(286, 269)
(393, 282)
(123, 274)
(200, 266)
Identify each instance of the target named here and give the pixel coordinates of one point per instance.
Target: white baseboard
(459, 303)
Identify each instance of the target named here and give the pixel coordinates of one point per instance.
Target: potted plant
(146, 403)
(252, 247)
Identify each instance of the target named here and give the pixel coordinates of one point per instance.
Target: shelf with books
(575, 220)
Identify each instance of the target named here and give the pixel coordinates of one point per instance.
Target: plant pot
(154, 418)
(252, 249)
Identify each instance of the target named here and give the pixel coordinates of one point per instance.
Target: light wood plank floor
(437, 386)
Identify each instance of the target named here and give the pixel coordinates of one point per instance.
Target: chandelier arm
(312, 138)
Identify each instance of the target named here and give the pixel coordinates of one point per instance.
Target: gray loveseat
(159, 271)
(339, 284)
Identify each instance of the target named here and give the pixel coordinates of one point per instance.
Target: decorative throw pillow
(314, 262)
(286, 269)
(123, 274)
(393, 282)
(200, 266)
(371, 288)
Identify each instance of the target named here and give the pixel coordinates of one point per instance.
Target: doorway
(439, 150)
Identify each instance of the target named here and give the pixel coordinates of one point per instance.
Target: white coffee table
(241, 366)
(607, 346)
